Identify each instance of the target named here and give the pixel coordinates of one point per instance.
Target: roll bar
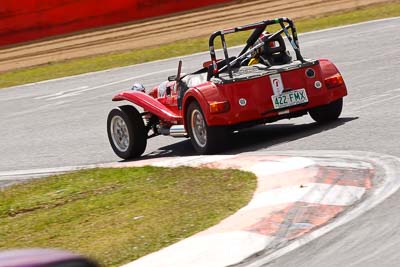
(258, 28)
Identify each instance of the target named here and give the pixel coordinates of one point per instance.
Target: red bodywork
(256, 91)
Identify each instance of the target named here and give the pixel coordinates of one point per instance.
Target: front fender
(150, 104)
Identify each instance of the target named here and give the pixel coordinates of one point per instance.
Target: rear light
(334, 81)
(219, 107)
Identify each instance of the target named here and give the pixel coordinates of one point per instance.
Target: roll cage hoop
(259, 28)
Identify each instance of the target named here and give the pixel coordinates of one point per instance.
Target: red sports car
(262, 84)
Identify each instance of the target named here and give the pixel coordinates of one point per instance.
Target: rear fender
(149, 104)
(192, 95)
(328, 69)
(204, 95)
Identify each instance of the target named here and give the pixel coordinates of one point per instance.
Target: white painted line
(126, 80)
(60, 93)
(315, 193)
(90, 73)
(32, 173)
(214, 250)
(376, 102)
(79, 92)
(350, 25)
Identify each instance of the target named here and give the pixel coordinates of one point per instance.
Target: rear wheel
(205, 139)
(328, 112)
(126, 132)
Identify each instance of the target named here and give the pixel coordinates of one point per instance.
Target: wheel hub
(199, 128)
(119, 133)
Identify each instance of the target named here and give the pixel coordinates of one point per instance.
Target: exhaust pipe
(177, 131)
(174, 131)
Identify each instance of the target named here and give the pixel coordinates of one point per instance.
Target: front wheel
(126, 132)
(205, 139)
(327, 112)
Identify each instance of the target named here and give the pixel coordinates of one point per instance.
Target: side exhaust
(177, 131)
(174, 131)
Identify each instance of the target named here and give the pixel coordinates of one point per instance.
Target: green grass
(101, 62)
(118, 215)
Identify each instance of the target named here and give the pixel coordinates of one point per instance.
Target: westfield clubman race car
(262, 84)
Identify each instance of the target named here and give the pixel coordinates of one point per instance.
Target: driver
(259, 55)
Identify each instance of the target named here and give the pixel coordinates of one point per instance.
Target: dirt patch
(167, 29)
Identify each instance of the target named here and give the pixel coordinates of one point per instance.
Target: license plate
(291, 98)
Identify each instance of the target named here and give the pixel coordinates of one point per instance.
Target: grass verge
(185, 47)
(118, 215)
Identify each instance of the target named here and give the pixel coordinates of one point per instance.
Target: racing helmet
(259, 51)
(138, 87)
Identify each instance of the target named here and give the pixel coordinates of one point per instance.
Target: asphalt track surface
(62, 123)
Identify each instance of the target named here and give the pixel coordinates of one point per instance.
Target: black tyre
(205, 139)
(126, 132)
(328, 112)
